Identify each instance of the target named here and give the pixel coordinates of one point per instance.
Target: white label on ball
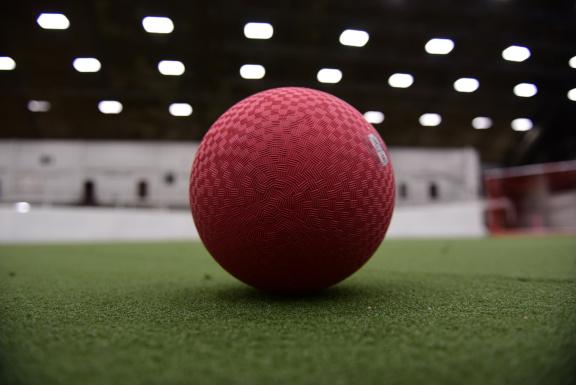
(379, 150)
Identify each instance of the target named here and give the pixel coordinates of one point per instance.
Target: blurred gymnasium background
(103, 105)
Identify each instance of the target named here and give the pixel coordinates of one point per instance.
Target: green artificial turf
(495, 311)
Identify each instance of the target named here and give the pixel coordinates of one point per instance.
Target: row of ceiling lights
(257, 30)
(324, 75)
(433, 119)
(112, 107)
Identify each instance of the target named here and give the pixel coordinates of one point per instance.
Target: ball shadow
(242, 293)
(349, 295)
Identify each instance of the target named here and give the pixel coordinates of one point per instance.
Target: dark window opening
(142, 189)
(88, 193)
(169, 178)
(433, 191)
(403, 191)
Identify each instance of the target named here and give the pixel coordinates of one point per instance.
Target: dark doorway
(88, 193)
(142, 190)
(403, 191)
(433, 191)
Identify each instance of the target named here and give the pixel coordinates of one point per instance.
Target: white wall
(116, 167)
(48, 224)
(455, 172)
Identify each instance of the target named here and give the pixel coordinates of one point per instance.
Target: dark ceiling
(208, 38)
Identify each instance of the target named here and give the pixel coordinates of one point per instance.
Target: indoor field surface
(493, 311)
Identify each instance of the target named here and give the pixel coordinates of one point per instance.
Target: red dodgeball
(292, 190)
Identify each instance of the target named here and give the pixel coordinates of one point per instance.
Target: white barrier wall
(64, 224)
(463, 219)
(442, 220)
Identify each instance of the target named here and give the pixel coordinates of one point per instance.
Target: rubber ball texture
(289, 191)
